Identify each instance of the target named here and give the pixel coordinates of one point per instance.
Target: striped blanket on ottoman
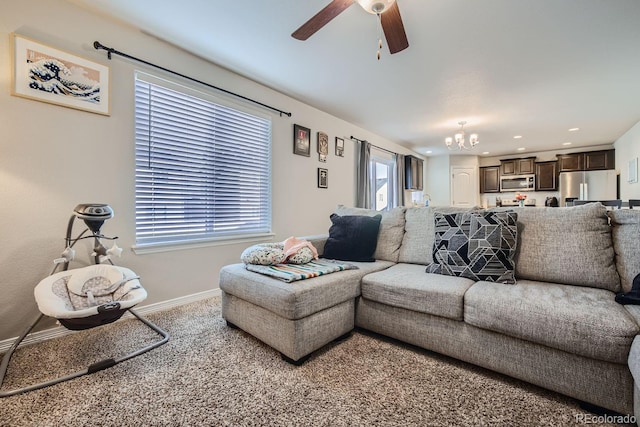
(293, 272)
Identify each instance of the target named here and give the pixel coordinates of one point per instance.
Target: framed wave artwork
(50, 75)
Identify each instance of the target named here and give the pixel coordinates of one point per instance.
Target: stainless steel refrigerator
(588, 185)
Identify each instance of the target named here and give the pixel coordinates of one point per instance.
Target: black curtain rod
(97, 45)
(379, 148)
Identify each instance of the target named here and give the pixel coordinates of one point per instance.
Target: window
(202, 169)
(383, 182)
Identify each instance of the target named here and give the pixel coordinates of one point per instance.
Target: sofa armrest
(634, 311)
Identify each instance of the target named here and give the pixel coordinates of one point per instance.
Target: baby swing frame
(94, 216)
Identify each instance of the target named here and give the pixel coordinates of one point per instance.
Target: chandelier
(459, 139)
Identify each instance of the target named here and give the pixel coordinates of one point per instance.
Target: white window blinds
(202, 169)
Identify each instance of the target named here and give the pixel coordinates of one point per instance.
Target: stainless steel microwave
(518, 183)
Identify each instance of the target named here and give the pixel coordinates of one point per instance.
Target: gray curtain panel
(399, 193)
(363, 182)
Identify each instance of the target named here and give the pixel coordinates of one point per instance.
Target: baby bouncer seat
(86, 297)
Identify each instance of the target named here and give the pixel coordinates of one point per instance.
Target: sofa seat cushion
(408, 286)
(583, 321)
(298, 299)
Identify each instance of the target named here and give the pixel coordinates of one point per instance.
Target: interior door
(464, 184)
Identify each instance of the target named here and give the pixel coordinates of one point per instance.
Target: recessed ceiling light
(485, 152)
(573, 129)
(521, 149)
(517, 137)
(429, 151)
(566, 143)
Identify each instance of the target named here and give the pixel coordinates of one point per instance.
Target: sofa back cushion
(391, 230)
(419, 236)
(570, 246)
(626, 243)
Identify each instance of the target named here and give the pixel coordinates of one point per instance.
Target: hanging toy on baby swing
(87, 297)
(94, 215)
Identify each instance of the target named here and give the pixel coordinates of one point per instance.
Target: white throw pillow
(264, 254)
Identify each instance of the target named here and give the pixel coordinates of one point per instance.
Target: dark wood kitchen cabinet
(587, 161)
(524, 166)
(570, 162)
(598, 160)
(413, 173)
(490, 179)
(547, 176)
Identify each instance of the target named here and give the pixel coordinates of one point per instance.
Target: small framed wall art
(339, 147)
(323, 178)
(633, 171)
(50, 75)
(301, 140)
(323, 146)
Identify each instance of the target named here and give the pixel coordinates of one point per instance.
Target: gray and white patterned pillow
(302, 256)
(477, 245)
(264, 254)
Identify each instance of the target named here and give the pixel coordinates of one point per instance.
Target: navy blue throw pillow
(352, 238)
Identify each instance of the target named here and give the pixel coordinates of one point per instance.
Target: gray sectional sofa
(558, 327)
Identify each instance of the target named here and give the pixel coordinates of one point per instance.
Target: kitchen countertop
(515, 203)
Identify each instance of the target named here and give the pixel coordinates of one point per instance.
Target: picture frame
(44, 73)
(323, 178)
(633, 171)
(323, 146)
(301, 140)
(339, 147)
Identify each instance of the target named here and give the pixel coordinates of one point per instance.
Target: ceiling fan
(387, 11)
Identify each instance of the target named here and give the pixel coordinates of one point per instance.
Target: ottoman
(294, 318)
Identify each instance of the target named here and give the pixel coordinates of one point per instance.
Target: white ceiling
(533, 68)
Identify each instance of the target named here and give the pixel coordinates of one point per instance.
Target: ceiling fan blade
(394, 29)
(321, 19)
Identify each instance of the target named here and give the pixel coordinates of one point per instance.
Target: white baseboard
(60, 331)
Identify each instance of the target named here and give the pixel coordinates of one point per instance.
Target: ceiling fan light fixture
(387, 12)
(376, 7)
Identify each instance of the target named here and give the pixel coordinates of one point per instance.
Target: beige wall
(628, 148)
(52, 158)
(437, 183)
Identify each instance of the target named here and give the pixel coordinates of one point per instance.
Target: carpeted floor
(210, 375)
